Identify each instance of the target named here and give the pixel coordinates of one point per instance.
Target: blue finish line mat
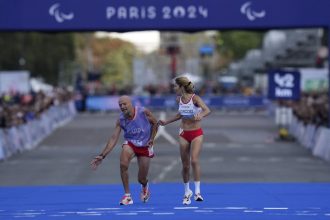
(234, 201)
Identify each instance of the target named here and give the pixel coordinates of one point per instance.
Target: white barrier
(301, 132)
(322, 146)
(317, 139)
(2, 145)
(283, 116)
(307, 140)
(28, 136)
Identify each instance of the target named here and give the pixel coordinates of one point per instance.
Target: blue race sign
(129, 15)
(108, 103)
(284, 85)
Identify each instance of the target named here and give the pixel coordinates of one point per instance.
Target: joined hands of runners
(161, 123)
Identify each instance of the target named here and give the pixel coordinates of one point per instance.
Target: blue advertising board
(284, 85)
(109, 103)
(128, 15)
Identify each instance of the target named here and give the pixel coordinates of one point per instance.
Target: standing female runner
(191, 111)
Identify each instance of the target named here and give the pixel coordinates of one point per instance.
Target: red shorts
(191, 135)
(141, 151)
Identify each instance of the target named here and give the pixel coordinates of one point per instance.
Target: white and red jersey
(189, 109)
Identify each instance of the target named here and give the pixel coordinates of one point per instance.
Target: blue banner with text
(109, 103)
(128, 15)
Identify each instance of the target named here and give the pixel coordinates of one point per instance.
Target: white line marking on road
(226, 208)
(164, 133)
(203, 211)
(234, 145)
(303, 159)
(29, 213)
(254, 211)
(33, 213)
(235, 207)
(307, 214)
(216, 159)
(87, 213)
(276, 208)
(188, 207)
(244, 159)
(163, 213)
(167, 136)
(127, 213)
(166, 170)
(91, 214)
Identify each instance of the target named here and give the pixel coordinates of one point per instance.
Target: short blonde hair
(183, 81)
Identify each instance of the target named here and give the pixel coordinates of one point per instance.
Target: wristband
(101, 155)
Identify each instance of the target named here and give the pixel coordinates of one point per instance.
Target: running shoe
(186, 198)
(126, 200)
(198, 197)
(145, 194)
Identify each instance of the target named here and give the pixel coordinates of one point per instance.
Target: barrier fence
(27, 136)
(316, 139)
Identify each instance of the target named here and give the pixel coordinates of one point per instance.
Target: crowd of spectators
(17, 109)
(209, 88)
(312, 108)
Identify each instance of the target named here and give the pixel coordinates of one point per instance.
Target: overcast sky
(144, 40)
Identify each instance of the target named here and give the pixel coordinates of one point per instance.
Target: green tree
(118, 67)
(112, 57)
(235, 44)
(39, 53)
(11, 45)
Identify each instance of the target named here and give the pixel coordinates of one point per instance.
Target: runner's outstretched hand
(96, 162)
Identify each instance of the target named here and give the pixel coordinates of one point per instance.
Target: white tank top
(188, 110)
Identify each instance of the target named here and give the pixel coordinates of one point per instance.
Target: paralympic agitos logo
(60, 16)
(251, 14)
